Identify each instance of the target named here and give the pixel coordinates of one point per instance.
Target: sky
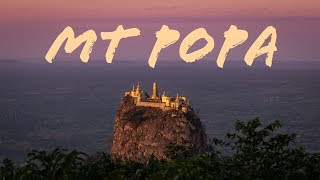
(57, 9)
(29, 27)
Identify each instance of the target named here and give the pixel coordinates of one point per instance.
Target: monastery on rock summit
(164, 102)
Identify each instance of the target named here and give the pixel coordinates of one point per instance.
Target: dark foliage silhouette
(257, 152)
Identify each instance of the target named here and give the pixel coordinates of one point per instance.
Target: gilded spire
(164, 93)
(138, 88)
(154, 91)
(177, 97)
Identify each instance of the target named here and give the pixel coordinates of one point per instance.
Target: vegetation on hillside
(258, 152)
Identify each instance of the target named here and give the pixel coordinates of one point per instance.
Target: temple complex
(164, 102)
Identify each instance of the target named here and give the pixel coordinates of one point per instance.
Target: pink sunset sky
(39, 9)
(28, 28)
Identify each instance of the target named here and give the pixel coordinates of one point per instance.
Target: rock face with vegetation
(142, 132)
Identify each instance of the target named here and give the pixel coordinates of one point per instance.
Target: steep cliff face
(140, 132)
